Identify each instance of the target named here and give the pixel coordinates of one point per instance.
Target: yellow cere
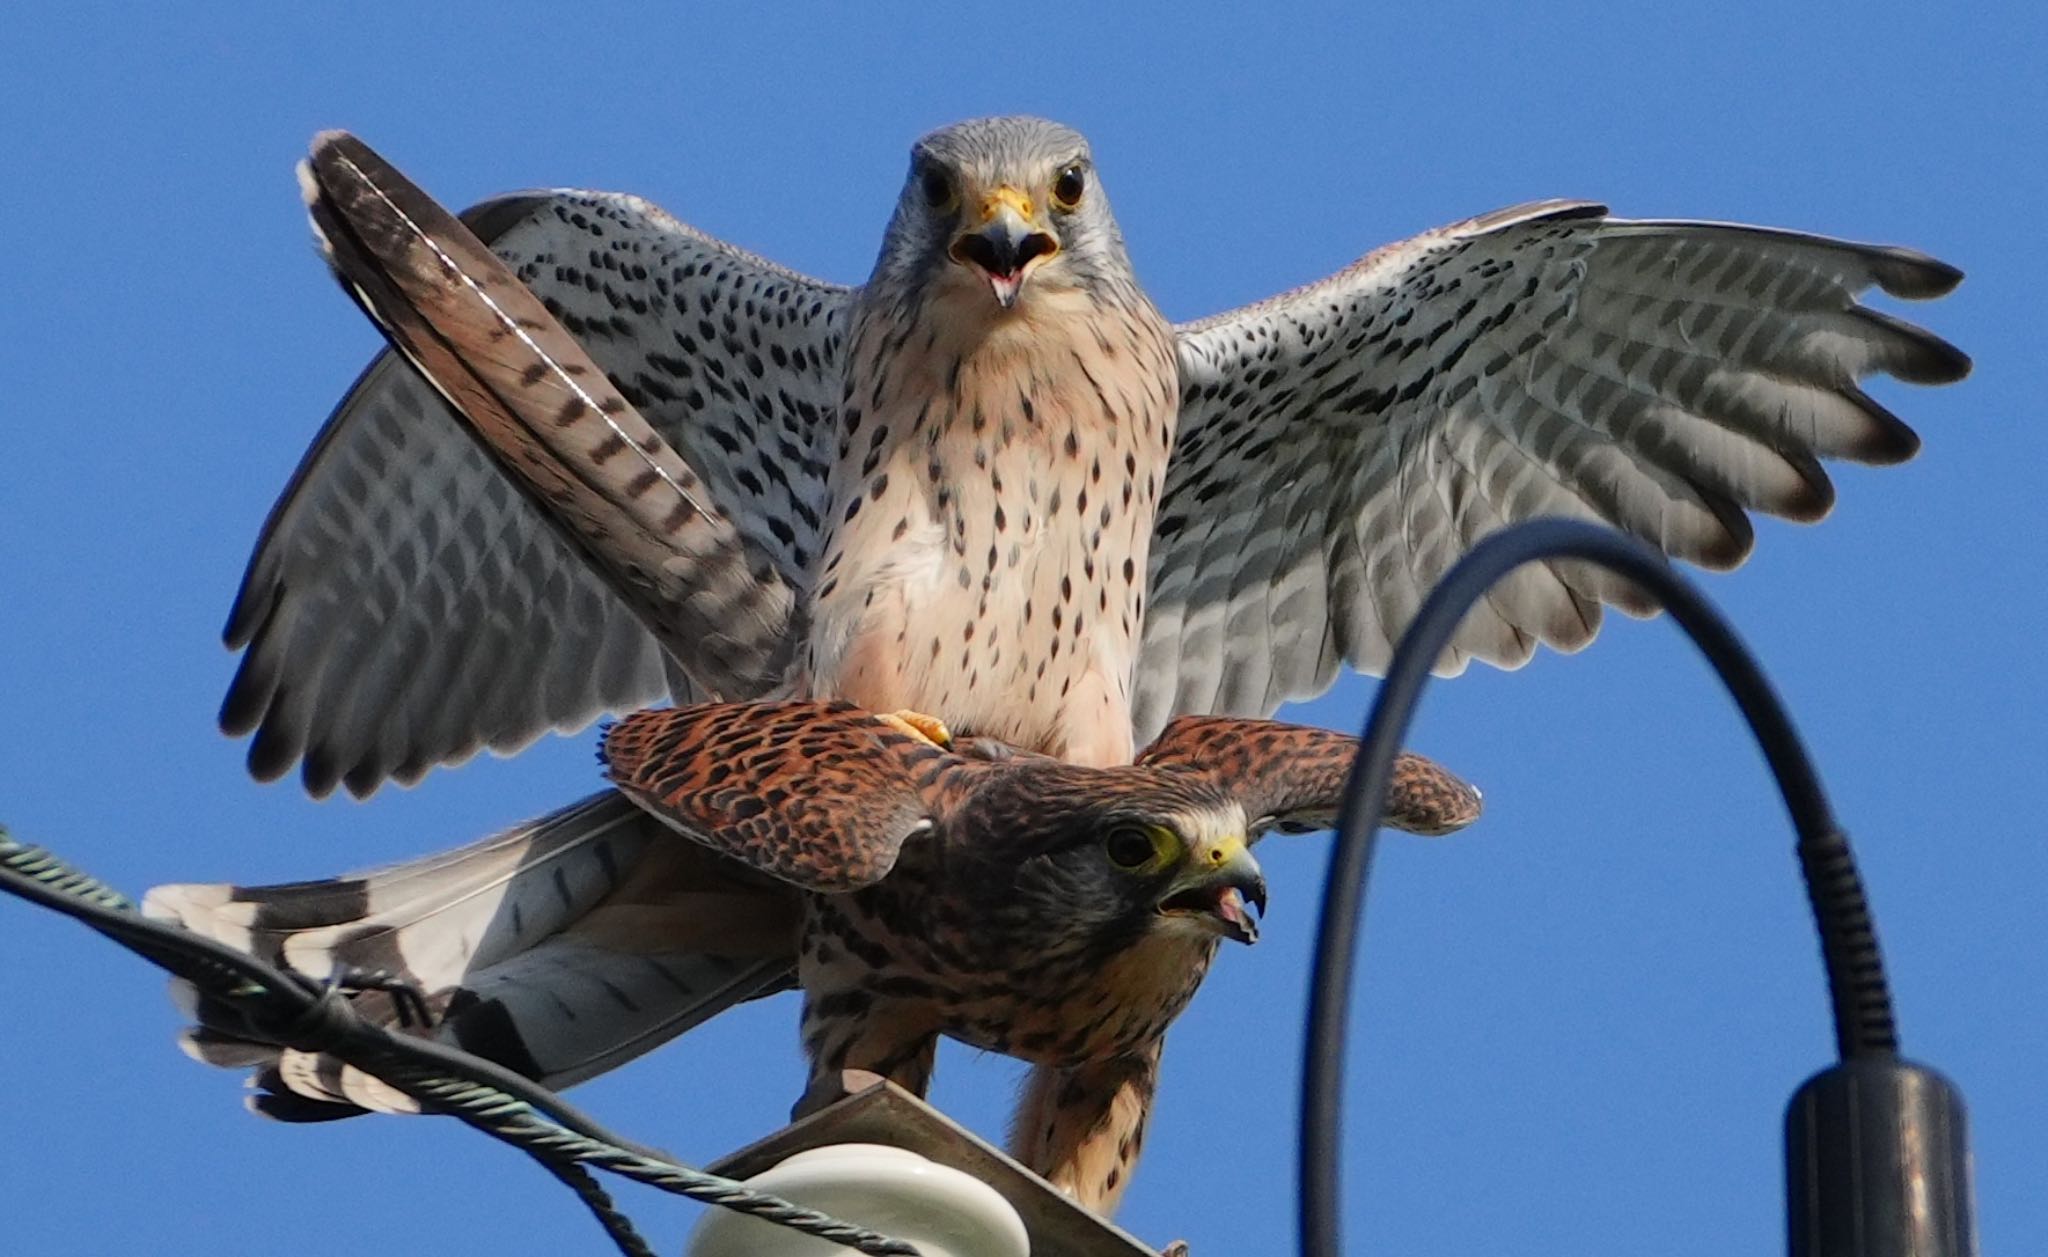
(1220, 851)
(993, 203)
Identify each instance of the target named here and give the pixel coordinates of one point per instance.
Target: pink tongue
(1231, 907)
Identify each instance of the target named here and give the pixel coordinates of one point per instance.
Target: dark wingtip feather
(1810, 505)
(255, 598)
(247, 699)
(1932, 361)
(1943, 364)
(1733, 545)
(274, 751)
(320, 769)
(1914, 354)
(1578, 624)
(363, 778)
(1887, 440)
(1735, 541)
(410, 770)
(1913, 275)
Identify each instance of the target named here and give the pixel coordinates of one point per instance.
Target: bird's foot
(827, 1090)
(918, 725)
(408, 998)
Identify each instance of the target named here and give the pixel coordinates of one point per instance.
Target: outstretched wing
(1292, 777)
(1343, 444)
(407, 606)
(720, 610)
(820, 794)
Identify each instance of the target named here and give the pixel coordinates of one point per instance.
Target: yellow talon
(917, 724)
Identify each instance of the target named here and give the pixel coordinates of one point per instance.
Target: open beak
(1220, 888)
(1005, 244)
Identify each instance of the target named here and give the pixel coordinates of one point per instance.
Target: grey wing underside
(407, 605)
(1340, 446)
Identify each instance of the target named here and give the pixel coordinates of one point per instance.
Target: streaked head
(1199, 867)
(1004, 208)
(1097, 860)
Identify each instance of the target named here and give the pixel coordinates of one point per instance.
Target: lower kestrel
(1058, 913)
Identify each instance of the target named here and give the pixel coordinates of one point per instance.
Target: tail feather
(483, 902)
(560, 948)
(534, 1013)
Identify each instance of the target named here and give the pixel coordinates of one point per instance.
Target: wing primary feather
(400, 529)
(348, 162)
(535, 398)
(1663, 377)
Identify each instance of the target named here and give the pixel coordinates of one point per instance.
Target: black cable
(1864, 1026)
(297, 1011)
(285, 1007)
(294, 1011)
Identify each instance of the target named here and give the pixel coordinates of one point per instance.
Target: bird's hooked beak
(1217, 889)
(1005, 244)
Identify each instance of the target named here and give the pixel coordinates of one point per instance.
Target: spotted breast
(991, 516)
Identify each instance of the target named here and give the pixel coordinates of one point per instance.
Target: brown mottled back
(819, 794)
(1296, 775)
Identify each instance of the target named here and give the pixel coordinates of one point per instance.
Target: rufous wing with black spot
(1292, 777)
(819, 794)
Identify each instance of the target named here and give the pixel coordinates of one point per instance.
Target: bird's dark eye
(1069, 187)
(1132, 846)
(937, 187)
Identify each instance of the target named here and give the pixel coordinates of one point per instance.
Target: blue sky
(1578, 1021)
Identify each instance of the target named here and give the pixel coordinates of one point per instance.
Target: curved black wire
(276, 998)
(294, 1011)
(1864, 1024)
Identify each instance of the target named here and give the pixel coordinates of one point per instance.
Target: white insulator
(943, 1211)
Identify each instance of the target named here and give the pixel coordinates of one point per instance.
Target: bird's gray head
(1093, 861)
(1008, 211)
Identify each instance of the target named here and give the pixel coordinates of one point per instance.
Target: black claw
(408, 999)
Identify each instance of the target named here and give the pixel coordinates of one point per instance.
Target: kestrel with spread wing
(995, 485)
(1058, 913)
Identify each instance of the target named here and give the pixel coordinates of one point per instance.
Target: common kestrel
(994, 484)
(1054, 912)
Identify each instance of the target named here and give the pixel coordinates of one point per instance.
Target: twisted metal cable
(595, 1198)
(296, 1012)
